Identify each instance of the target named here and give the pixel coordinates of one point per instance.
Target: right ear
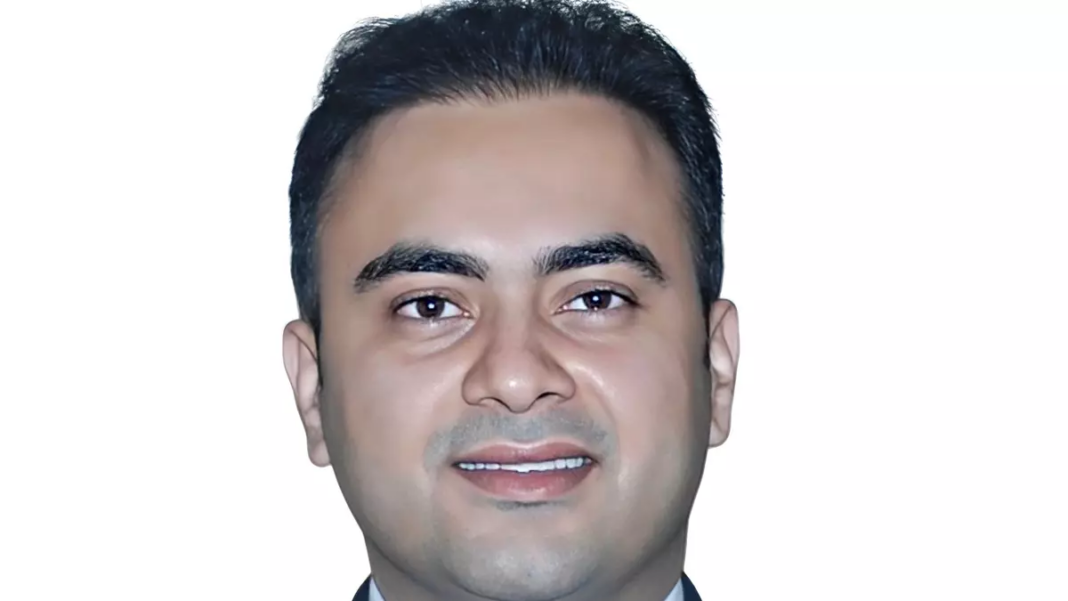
(302, 366)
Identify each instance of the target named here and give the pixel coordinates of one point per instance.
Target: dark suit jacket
(689, 592)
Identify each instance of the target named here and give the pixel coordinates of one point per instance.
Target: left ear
(723, 362)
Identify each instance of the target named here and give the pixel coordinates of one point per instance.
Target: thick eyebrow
(602, 250)
(406, 257)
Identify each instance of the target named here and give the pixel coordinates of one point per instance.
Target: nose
(516, 370)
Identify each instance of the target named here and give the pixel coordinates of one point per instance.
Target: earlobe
(299, 351)
(723, 349)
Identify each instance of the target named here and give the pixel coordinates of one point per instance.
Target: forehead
(506, 178)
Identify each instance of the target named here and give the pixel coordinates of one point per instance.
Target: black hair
(500, 49)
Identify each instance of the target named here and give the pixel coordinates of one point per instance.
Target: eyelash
(627, 299)
(411, 300)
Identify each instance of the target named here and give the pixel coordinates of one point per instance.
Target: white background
(896, 190)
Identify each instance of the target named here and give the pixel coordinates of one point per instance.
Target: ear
(300, 354)
(723, 362)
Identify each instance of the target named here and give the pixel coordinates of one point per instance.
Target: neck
(652, 582)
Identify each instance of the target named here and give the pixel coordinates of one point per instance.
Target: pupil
(428, 308)
(597, 300)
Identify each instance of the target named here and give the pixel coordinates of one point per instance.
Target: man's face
(513, 389)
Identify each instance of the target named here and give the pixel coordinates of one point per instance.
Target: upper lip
(507, 453)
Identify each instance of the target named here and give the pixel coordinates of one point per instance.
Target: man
(507, 256)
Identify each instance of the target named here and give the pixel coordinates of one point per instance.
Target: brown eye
(428, 308)
(597, 300)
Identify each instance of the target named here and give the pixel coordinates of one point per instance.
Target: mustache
(479, 428)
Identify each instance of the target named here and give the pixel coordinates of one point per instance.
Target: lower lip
(530, 486)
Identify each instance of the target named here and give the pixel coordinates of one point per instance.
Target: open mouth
(534, 474)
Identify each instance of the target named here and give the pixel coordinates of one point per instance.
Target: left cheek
(648, 389)
(650, 408)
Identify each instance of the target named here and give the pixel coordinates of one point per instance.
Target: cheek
(649, 391)
(382, 413)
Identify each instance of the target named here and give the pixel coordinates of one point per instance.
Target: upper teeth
(543, 466)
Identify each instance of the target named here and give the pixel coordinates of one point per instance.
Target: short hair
(499, 50)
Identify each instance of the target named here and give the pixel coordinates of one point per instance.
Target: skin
(387, 396)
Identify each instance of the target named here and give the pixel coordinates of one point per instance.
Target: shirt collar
(674, 595)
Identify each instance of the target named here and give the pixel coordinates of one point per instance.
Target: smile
(569, 463)
(536, 474)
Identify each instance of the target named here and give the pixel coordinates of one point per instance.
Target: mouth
(527, 474)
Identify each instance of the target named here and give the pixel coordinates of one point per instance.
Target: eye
(428, 308)
(597, 300)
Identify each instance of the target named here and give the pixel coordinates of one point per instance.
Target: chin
(522, 571)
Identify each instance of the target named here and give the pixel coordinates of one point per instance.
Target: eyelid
(623, 293)
(411, 297)
(406, 298)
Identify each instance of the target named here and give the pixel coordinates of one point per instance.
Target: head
(507, 257)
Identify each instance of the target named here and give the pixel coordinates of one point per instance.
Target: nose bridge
(515, 367)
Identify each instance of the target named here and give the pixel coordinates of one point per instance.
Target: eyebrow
(603, 250)
(409, 257)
